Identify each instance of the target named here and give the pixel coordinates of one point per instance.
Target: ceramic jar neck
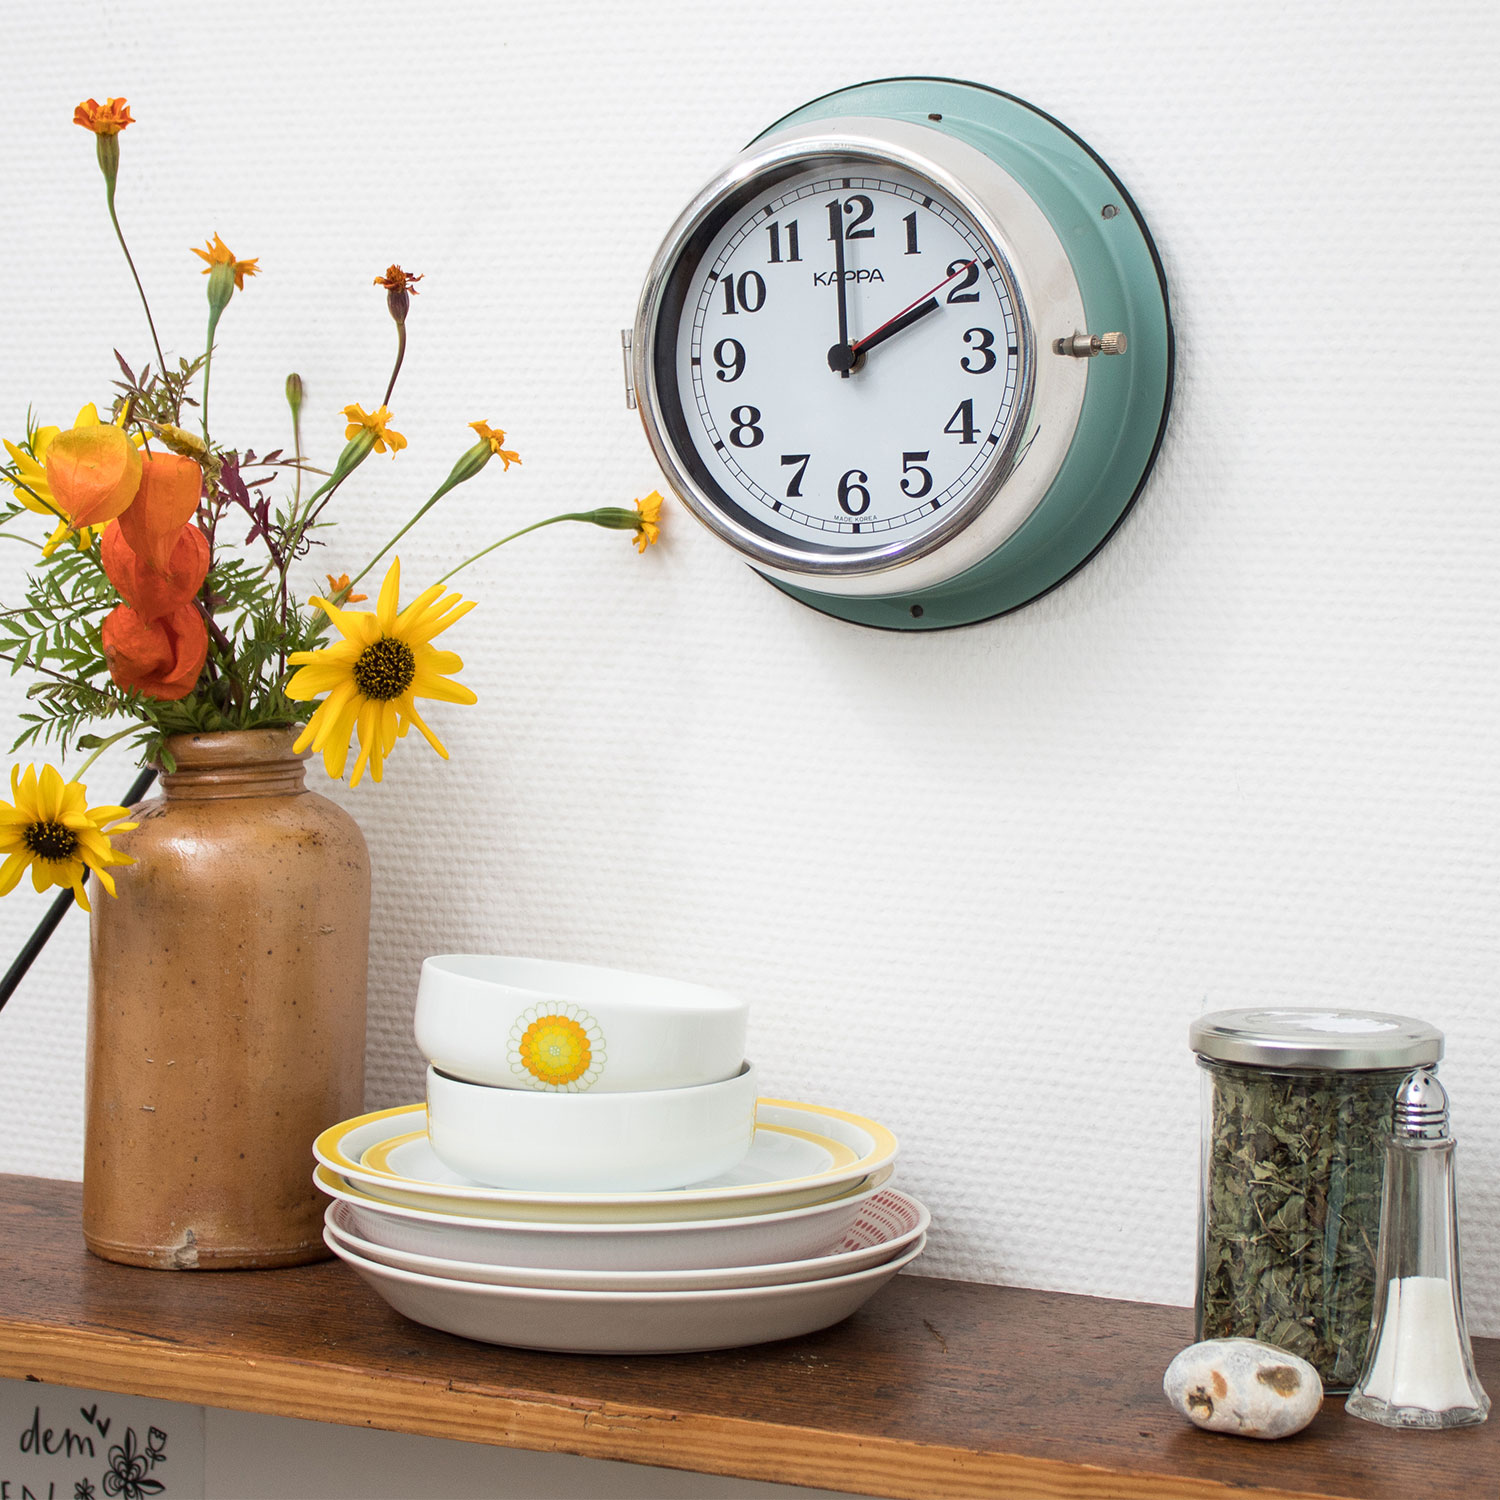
(235, 763)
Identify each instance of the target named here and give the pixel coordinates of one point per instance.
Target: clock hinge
(627, 346)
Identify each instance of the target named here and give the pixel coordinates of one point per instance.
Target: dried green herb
(1294, 1165)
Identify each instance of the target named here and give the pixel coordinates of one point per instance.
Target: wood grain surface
(935, 1389)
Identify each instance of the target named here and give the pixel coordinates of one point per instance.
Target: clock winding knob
(1087, 345)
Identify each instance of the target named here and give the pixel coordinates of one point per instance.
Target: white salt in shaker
(1419, 1368)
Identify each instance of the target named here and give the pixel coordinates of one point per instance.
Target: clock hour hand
(895, 325)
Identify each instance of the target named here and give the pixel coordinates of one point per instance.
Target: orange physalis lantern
(160, 658)
(93, 473)
(165, 502)
(151, 592)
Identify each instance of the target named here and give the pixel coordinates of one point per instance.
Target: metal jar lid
(1334, 1040)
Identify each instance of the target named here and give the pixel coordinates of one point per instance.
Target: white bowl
(623, 1322)
(590, 1143)
(529, 1023)
(617, 1245)
(889, 1223)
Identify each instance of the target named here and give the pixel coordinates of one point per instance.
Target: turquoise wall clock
(909, 353)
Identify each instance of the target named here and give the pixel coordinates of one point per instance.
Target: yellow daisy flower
(50, 828)
(649, 526)
(376, 422)
(373, 676)
(30, 483)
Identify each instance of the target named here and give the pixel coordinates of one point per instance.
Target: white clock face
(847, 428)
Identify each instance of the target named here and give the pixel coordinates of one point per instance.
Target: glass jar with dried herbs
(1296, 1110)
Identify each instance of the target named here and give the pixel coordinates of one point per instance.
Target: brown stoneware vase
(226, 1012)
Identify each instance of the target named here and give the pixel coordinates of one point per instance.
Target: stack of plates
(796, 1237)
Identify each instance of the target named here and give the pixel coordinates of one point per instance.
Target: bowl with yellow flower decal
(564, 1028)
(647, 1140)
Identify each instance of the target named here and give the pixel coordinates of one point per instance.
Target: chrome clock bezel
(1035, 271)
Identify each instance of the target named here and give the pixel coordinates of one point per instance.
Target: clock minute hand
(908, 315)
(840, 357)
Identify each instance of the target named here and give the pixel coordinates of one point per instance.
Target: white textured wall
(975, 883)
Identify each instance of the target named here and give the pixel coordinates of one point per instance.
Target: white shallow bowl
(624, 1245)
(623, 1322)
(888, 1223)
(590, 1143)
(529, 1023)
(802, 1154)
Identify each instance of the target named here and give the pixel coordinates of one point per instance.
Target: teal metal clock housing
(1102, 445)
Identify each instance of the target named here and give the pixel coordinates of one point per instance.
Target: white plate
(680, 1245)
(778, 1173)
(623, 1322)
(885, 1226)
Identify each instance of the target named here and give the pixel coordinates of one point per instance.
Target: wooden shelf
(936, 1389)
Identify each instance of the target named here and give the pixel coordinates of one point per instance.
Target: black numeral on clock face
(854, 498)
(911, 233)
(983, 341)
(861, 207)
(911, 467)
(729, 355)
(749, 293)
(959, 291)
(774, 230)
(964, 416)
(794, 484)
(746, 433)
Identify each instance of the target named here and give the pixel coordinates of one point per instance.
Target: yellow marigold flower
(496, 439)
(30, 482)
(50, 827)
(373, 676)
(336, 586)
(109, 118)
(648, 528)
(373, 421)
(217, 253)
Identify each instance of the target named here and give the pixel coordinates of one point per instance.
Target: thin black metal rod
(59, 908)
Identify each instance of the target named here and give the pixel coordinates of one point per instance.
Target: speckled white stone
(1243, 1387)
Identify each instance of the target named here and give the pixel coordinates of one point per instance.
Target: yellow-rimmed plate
(801, 1154)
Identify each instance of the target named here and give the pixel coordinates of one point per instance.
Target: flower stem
(109, 198)
(101, 748)
(449, 483)
(208, 364)
(535, 526)
(400, 355)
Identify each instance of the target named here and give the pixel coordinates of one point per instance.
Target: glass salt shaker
(1419, 1368)
(1296, 1112)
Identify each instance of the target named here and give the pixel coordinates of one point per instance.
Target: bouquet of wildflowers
(161, 591)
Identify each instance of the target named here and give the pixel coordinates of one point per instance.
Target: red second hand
(855, 348)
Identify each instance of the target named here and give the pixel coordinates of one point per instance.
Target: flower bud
(294, 394)
(108, 148)
(220, 288)
(615, 517)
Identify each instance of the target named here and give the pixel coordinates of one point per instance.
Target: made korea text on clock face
(861, 459)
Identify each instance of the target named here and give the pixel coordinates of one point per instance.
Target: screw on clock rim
(705, 216)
